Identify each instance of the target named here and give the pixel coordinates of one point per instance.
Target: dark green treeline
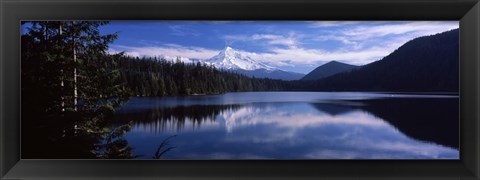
(159, 77)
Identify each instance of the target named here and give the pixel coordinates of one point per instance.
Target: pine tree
(79, 82)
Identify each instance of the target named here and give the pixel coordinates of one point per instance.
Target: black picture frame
(466, 11)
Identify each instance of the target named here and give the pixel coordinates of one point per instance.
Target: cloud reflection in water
(285, 131)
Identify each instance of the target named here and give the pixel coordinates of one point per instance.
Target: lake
(294, 125)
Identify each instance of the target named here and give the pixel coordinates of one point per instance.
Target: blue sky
(298, 46)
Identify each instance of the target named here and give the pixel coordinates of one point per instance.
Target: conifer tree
(67, 64)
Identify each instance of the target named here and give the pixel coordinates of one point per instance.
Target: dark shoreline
(374, 92)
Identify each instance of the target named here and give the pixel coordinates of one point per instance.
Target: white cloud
(269, 39)
(180, 30)
(297, 55)
(276, 39)
(367, 43)
(172, 50)
(332, 23)
(387, 35)
(414, 28)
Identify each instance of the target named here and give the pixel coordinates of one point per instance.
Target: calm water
(295, 125)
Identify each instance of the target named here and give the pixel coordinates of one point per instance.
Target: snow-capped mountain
(231, 59)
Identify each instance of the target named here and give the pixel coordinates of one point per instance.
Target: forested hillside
(328, 69)
(424, 64)
(158, 77)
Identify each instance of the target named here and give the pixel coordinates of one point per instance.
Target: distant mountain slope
(428, 63)
(272, 74)
(328, 69)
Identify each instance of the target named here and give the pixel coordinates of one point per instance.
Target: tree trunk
(74, 69)
(60, 32)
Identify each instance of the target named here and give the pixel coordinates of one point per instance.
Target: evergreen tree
(79, 82)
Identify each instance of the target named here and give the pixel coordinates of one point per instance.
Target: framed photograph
(240, 89)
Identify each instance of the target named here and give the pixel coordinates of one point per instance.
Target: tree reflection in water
(168, 118)
(218, 126)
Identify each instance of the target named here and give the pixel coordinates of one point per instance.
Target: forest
(149, 76)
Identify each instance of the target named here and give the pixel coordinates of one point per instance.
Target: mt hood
(233, 60)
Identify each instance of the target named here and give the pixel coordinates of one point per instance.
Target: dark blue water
(295, 125)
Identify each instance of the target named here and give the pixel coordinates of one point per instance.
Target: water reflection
(175, 119)
(360, 129)
(333, 109)
(435, 120)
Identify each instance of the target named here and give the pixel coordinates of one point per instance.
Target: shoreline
(373, 92)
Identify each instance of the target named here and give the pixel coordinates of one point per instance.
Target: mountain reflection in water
(377, 128)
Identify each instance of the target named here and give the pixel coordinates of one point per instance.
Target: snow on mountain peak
(228, 48)
(231, 59)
